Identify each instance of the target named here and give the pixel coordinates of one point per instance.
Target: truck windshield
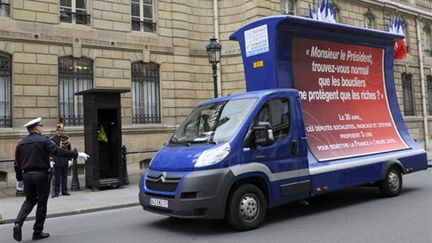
(214, 123)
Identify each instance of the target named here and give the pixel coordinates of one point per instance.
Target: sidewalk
(83, 201)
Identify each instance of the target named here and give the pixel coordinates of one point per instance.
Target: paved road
(355, 215)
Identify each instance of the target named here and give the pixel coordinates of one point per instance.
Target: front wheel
(391, 186)
(246, 207)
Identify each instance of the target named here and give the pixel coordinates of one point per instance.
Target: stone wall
(35, 41)
(42, 11)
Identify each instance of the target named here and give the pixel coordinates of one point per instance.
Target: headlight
(213, 156)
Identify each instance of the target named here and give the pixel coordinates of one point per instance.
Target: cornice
(49, 39)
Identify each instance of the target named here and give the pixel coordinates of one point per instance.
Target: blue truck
(320, 114)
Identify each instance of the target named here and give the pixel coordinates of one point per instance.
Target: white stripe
(258, 167)
(361, 162)
(297, 182)
(328, 167)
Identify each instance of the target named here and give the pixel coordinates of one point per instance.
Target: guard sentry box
(103, 137)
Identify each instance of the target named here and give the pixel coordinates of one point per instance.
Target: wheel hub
(393, 181)
(249, 207)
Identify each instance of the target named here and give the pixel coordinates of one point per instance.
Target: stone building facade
(50, 49)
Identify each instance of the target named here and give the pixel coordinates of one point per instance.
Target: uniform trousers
(36, 189)
(60, 179)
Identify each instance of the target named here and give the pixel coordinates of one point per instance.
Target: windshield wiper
(174, 140)
(223, 120)
(205, 141)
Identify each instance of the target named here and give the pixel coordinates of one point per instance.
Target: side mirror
(263, 134)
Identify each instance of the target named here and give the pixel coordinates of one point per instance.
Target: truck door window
(264, 115)
(276, 112)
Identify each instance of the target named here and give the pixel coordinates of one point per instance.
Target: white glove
(20, 186)
(52, 163)
(70, 162)
(83, 155)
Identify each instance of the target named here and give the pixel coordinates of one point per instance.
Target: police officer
(31, 166)
(61, 165)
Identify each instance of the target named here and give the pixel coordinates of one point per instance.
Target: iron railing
(424, 4)
(81, 17)
(75, 184)
(124, 154)
(145, 25)
(6, 160)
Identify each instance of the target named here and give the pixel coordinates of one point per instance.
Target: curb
(76, 212)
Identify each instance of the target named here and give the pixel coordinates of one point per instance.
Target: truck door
(286, 157)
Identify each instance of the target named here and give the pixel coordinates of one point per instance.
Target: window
(429, 84)
(75, 74)
(145, 93)
(74, 11)
(408, 99)
(277, 113)
(427, 39)
(5, 90)
(288, 7)
(142, 15)
(4, 8)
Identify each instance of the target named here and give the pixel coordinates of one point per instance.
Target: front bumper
(199, 194)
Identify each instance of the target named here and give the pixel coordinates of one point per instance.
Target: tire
(391, 186)
(246, 208)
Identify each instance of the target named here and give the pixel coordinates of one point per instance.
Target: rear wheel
(391, 186)
(246, 207)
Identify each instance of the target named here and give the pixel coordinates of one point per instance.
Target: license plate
(159, 202)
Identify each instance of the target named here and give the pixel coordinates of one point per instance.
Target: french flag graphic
(400, 47)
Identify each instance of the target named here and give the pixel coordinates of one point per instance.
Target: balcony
(79, 17)
(425, 4)
(146, 25)
(421, 4)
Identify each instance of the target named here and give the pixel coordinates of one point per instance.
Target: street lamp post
(213, 51)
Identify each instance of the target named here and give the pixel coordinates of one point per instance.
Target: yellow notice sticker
(258, 64)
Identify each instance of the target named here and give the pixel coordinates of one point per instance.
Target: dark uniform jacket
(32, 154)
(64, 143)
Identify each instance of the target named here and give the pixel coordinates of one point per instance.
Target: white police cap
(33, 122)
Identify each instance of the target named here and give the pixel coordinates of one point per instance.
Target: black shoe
(39, 236)
(66, 194)
(55, 195)
(17, 232)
